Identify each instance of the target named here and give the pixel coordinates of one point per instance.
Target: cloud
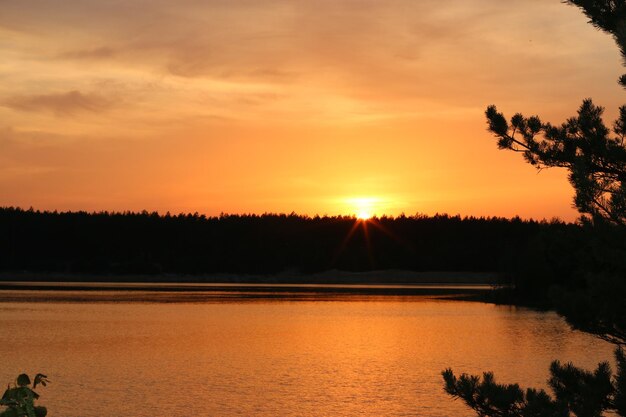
(60, 104)
(102, 52)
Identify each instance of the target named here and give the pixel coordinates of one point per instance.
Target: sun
(364, 207)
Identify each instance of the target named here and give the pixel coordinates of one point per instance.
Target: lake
(221, 352)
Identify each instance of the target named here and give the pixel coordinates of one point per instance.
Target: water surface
(321, 355)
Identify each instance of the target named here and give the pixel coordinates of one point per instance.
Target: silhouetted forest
(149, 243)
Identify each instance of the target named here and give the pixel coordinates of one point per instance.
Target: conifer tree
(594, 154)
(595, 157)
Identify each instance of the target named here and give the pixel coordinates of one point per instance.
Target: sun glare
(363, 207)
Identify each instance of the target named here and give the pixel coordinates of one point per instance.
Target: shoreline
(327, 286)
(331, 277)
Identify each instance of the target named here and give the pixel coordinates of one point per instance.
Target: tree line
(150, 243)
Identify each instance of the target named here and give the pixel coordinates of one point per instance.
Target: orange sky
(317, 107)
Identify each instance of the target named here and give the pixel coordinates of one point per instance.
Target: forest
(191, 244)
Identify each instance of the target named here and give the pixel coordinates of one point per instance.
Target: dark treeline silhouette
(149, 243)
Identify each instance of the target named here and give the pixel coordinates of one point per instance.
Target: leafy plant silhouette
(19, 398)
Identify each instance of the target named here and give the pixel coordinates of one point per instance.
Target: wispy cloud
(102, 52)
(61, 104)
(224, 95)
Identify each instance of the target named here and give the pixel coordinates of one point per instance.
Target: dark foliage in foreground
(148, 243)
(595, 158)
(19, 399)
(594, 155)
(575, 392)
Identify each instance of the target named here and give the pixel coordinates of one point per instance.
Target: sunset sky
(312, 106)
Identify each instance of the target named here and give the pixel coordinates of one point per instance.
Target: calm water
(342, 355)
